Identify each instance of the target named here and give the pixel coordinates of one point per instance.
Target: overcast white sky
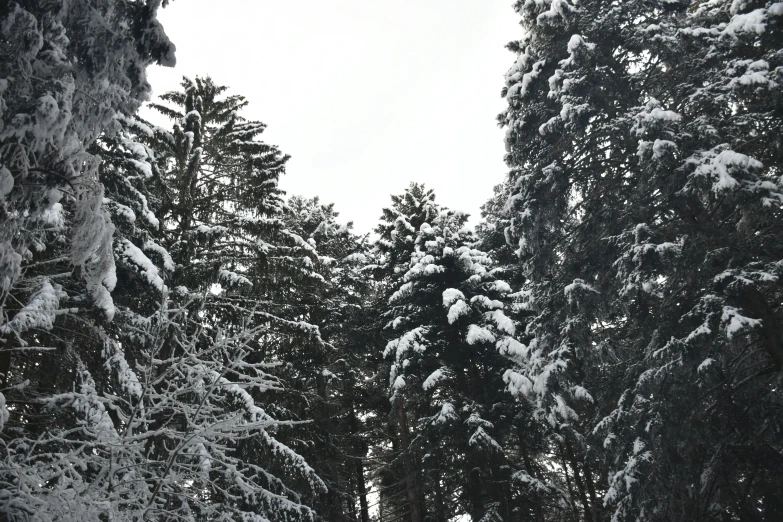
(366, 96)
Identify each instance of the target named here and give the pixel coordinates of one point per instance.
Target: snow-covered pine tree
(219, 196)
(714, 360)
(69, 71)
(394, 246)
(163, 439)
(163, 418)
(645, 156)
(444, 316)
(535, 495)
(237, 261)
(335, 399)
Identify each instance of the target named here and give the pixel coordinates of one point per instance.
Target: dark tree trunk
(579, 483)
(362, 492)
(411, 485)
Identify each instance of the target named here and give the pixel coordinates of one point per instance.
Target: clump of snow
(653, 115)
(433, 379)
(576, 45)
(457, 310)
(450, 295)
(661, 148)
(511, 347)
(142, 166)
(706, 363)
(736, 322)
(477, 334)
(576, 41)
(578, 287)
(482, 438)
(412, 340)
(447, 414)
(4, 414)
(136, 257)
(563, 409)
(517, 383)
(581, 393)
(355, 258)
(405, 290)
(6, 182)
(231, 278)
(168, 262)
(752, 22)
(719, 165)
(702, 330)
(397, 322)
(501, 286)
(422, 265)
(756, 74)
(127, 378)
(557, 13)
(475, 420)
(485, 302)
(502, 321)
(520, 89)
(91, 246)
(39, 313)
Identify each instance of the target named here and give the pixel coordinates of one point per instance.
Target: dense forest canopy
(181, 340)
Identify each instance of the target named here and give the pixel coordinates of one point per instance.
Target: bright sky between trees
(366, 96)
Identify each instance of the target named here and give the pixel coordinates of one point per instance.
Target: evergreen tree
(645, 195)
(237, 260)
(400, 494)
(69, 72)
(166, 413)
(336, 446)
(442, 309)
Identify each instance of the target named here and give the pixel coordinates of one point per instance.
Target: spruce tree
(238, 263)
(399, 483)
(171, 414)
(443, 317)
(69, 72)
(336, 447)
(645, 192)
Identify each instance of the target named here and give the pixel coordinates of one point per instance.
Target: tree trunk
(411, 485)
(5, 366)
(351, 499)
(579, 484)
(591, 490)
(360, 450)
(568, 482)
(439, 500)
(362, 491)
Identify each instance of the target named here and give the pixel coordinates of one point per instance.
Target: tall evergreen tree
(336, 446)
(644, 202)
(400, 494)
(69, 72)
(164, 419)
(237, 260)
(443, 314)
